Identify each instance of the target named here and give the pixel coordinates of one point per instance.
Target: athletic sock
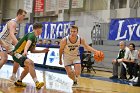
(35, 80)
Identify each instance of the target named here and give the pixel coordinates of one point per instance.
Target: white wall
(125, 13)
(11, 7)
(138, 12)
(86, 20)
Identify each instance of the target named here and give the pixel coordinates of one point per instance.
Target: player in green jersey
(28, 43)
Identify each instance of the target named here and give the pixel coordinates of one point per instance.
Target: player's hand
(60, 62)
(7, 48)
(45, 50)
(25, 53)
(4, 45)
(114, 60)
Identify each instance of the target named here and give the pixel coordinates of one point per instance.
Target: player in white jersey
(8, 39)
(69, 47)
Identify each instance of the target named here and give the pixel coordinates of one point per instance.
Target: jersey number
(72, 49)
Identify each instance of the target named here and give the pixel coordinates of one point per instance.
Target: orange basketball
(99, 56)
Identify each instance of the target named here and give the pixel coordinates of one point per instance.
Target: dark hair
(40, 40)
(74, 26)
(37, 25)
(57, 42)
(50, 40)
(132, 45)
(20, 11)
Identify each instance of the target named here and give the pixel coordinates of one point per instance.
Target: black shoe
(114, 77)
(137, 85)
(130, 77)
(123, 77)
(75, 83)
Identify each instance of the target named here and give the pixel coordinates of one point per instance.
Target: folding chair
(86, 61)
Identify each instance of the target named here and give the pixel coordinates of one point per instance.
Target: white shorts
(11, 47)
(71, 60)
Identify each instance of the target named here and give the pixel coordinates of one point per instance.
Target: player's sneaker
(136, 79)
(20, 84)
(13, 78)
(75, 84)
(39, 84)
(132, 79)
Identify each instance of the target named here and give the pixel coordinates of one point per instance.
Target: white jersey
(5, 35)
(72, 49)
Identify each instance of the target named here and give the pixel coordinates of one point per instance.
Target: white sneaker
(13, 78)
(132, 79)
(136, 79)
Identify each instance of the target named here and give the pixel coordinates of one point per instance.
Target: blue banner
(124, 29)
(52, 30)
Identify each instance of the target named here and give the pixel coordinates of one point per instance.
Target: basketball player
(28, 43)
(69, 47)
(8, 39)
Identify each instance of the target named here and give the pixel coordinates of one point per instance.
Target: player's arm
(12, 30)
(61, 49)
(28, 44)
(33, 50)
(89, 48)
(4, 45)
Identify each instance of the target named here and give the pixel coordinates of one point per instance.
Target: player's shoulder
(63, 39)
(82, 39)
(30, 34)
(11, 23)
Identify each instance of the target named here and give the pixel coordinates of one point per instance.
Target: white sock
(19, 79)
(13, 75)
(35, 80)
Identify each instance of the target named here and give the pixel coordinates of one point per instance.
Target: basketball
(98, 56)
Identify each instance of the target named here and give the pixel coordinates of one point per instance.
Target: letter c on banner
(30, 28)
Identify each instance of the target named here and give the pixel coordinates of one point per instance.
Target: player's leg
(29, 63)
(77, 68)
(4, 57)
(70, 72)
(23, 74)
(67, 63)
(15, 69)
(28, 67)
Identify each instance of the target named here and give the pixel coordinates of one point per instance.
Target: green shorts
(19, 58)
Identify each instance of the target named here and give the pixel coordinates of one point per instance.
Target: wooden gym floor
(58, 82)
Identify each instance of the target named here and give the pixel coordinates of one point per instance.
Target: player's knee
(16, 64)
(28, 63)
(77, 73)
(26, 69)
(31, 63)
(4, 59)
(70, 73)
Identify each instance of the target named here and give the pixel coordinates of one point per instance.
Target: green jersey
(19, 48)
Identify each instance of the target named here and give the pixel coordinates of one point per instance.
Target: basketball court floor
(58, 82)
